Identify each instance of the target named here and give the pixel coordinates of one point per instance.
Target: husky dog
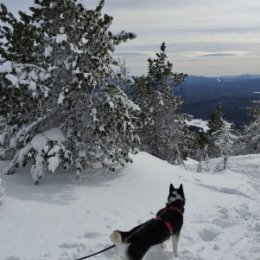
(168, 222)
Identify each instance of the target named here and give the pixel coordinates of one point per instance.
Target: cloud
(206, 30)
(134, 53)
(225, 54)
(219, 54)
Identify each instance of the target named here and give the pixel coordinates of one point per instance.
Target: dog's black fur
(155, 231)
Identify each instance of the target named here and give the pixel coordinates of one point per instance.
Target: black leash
(138, 230)
(99, 252)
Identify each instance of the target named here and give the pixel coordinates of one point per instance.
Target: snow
(94, 114)
(12, 78)
(53, 163)
(198, 123)
(48, 51)
(60, 38)
(36, 6)
(39, 144)
(6, 67)
(128, 103)
(55, 134)
(2, 137)
(32, 75)
(61, 98)
(67, 218)
(32, 85)
(39, 141)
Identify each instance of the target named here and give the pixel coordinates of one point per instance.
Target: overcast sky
(203, 37)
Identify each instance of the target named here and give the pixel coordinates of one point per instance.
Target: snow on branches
(60, 75)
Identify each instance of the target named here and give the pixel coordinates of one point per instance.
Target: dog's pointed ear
(171, 189)
(181, 189)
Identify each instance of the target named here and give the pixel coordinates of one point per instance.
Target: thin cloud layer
(227, 32)
(206, 37)
(135, 53)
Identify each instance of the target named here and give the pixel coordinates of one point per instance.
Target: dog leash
(97, 253)
(112, 246)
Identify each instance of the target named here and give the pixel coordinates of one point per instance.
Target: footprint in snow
(223, 211)
(72, 245)
(216, 247)
(46, 255)
(225, 190)
(157, 252)
(91, 235)
(187, 255)
(64, 254)
(12, 258)
(223, 223)
(208, 234)
(257, 227)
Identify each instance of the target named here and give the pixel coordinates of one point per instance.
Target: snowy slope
(64, 218)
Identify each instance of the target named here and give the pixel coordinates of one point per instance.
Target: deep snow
(64, 218)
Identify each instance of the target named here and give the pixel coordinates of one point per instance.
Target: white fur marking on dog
(175, 240)
(174, 196)
(116, 238)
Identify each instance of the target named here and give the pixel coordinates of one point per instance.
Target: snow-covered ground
(64, 218)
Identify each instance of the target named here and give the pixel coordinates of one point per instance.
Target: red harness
(167, 223)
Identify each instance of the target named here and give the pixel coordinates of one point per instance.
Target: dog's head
(176, 195)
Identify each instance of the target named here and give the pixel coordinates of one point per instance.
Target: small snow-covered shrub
(46, 151)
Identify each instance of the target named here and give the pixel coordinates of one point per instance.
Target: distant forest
(236, 95)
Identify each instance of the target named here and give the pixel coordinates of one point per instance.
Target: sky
(203, 37)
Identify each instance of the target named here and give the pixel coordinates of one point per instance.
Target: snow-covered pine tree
(215, 123)
(224, 139)
(165, 135)
(216, 119)
(62, 89)
(22, 80)
(201, 150)
(221, 136)
(249, 141)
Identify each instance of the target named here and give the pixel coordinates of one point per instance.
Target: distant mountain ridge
(235, 93)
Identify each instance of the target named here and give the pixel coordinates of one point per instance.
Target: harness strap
(167, 223)
(181, 211)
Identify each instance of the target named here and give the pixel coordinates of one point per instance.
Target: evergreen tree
(165, 135)
(17, 71)
(221, 135)
(215, 121)
(201, 150)
(215, 124)
(249, 141)
(224, 139)
(60, 96)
